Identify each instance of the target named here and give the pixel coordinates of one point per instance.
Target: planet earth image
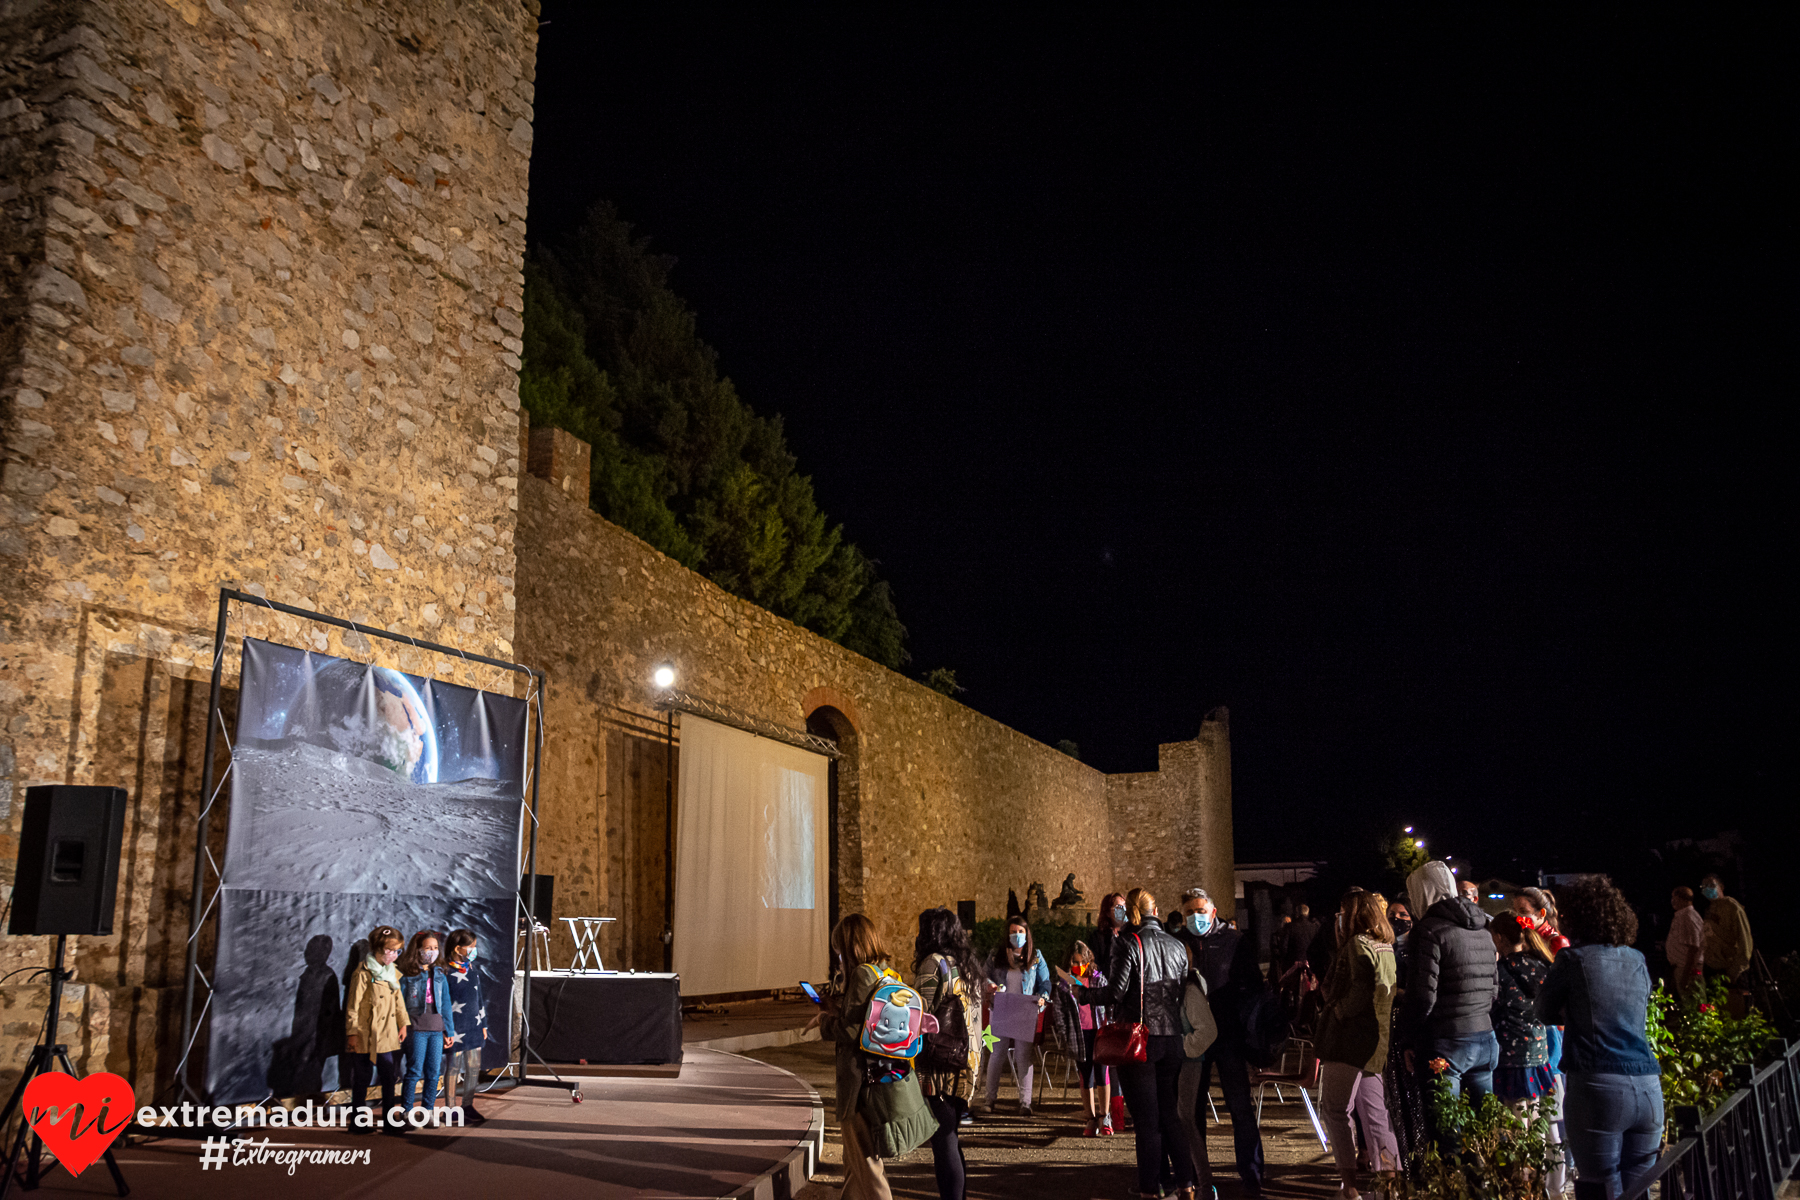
(369, 712)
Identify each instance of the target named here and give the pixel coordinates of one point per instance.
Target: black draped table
(616, 1017)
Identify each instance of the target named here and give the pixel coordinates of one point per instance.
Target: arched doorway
(830, 714)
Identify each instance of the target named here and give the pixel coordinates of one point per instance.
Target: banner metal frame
(204, 902)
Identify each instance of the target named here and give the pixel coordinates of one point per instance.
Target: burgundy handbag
(1121, 1042)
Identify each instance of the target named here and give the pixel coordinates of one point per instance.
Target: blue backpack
(897, 1022)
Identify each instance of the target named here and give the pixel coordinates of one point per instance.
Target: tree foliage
(613, 357)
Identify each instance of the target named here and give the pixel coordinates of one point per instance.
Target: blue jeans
(424, 1061)
(1472, 1058)
(1615, 1128)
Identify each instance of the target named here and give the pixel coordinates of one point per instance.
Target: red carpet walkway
(728, 1126)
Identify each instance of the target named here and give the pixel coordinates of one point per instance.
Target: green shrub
(1500, 1154)
(1698, 1045)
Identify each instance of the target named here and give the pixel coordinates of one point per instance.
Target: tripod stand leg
(112, 1164)
(34, 1066)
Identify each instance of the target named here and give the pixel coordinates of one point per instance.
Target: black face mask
(1401, 926)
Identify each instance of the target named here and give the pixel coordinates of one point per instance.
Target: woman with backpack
(878, 1103)
(1016, 967)
(1144, 989)
(945, 976)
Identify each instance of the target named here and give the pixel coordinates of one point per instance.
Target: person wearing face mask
(1407, 1111)
(468, 1015)
(375, 1023)
(1728, 945)
(1226, 960)
(1144, 985)
(426, 989)
(1019, 968)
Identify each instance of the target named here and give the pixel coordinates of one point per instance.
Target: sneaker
(1025, 1111)
(1106, 1129)
(968, 1118)
(1091, 1129)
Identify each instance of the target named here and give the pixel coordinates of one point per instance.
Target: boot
(1118, 1113)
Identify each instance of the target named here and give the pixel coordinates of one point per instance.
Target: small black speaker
(965, 913)
(68, 876)
(546, 895)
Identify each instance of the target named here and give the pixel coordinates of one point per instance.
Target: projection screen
(751, 858)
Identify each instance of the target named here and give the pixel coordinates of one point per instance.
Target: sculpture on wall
(1071, 895)
(1036, 890)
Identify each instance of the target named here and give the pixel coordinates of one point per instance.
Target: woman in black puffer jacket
(1144, 984)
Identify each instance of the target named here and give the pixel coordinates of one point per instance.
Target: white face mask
(428, 956)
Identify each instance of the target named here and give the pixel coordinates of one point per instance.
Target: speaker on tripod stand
(67, 883)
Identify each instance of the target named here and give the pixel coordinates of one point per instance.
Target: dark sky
(1413, 386)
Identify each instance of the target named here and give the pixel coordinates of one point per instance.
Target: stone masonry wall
(937, 802)
(1171, 827)
(260, 304)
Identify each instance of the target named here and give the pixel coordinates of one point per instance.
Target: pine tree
(613, 356)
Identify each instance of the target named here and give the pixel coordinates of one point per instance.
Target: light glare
(664, 677)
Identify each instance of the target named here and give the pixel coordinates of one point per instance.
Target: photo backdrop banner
(360, 796)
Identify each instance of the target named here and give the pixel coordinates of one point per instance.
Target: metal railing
(1745, 1149)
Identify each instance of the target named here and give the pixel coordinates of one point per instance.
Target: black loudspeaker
(965, 913)
(546, 895)
(68, 876)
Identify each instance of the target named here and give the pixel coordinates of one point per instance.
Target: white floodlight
(664, 677)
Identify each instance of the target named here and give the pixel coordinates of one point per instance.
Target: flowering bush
(1698, 1045)
(1500, 1153)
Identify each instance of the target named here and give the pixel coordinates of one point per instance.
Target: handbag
(1122, 1042)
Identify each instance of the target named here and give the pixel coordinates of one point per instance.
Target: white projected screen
(787, 844)
(750, 861)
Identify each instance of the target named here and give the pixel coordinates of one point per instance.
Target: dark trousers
(946, 1151)
(1153, 1094)
(1234, 1081)
(386, 1068)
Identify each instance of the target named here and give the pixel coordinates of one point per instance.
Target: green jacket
(846, 1032)
(1359, 1005)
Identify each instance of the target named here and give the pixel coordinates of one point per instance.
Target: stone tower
(260, 312)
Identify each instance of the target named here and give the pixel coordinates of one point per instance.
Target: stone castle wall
(1171, 827)
(937, 803)
(261, 310)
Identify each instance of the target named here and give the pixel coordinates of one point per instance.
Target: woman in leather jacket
(1144, 985)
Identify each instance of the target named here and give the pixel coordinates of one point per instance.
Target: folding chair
(1306, 1075)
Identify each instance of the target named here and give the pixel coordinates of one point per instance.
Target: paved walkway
(1046, 1158)
(726, 1122)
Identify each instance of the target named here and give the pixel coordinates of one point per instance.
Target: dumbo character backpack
(897, 1022)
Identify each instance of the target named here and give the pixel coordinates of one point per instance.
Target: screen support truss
(206, 892)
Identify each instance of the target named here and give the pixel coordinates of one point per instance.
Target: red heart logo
(78, 1118)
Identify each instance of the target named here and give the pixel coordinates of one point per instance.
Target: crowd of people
(1544, 1006)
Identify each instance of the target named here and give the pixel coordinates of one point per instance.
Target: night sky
(1411, 385)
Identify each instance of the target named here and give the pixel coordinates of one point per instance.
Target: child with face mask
(468, 1007)
(375, 1023)
(426, 989)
